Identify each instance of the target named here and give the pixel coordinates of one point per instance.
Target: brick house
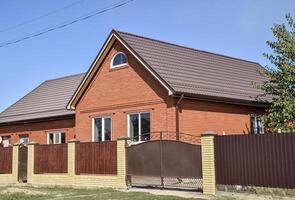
(138, 86)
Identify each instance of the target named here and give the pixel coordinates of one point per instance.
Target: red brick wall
(199, 116)
(117, 92)
(37, 131)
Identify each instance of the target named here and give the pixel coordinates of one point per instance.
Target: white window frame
(139, 123)
(102, 127)
(9, 140)
(121, 65)
(54, 135)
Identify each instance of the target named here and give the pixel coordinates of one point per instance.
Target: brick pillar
(15, 162)
(121, 161)
(208, 163)
(72, 157)
(31, 154)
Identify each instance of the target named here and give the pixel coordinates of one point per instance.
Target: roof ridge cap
(186, 47)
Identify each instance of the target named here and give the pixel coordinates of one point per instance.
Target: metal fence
(256, 160)
(96, 158)
(5, 160)
(51, 158)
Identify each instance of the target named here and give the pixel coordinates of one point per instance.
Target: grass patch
(44, 193)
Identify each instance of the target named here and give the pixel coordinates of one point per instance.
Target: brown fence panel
(96, 158)
(51, 158)
(256, 160)
(5, 160)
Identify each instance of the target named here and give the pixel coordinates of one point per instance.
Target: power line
(40, 17)
(68, 23)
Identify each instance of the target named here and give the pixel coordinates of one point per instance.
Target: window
(256, 125)
(102, 129)
(23, 139)
(6, 140)
(119, 60)
(139, 126)
(56, 138)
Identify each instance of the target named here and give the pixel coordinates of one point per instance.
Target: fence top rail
(5, 148)
(163, 140)
(50, 145)
(100, 142)
(256, 135)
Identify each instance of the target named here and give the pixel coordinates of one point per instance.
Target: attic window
(119, 60)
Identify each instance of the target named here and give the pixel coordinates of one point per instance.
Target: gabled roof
(47, 100)
(183, 70)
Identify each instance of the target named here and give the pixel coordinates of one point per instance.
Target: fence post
(208, 163)
(31, 155)
(121, 161)
(72, 157)
(15, 162)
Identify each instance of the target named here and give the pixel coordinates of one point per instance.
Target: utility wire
(68, 23)
(40, 17)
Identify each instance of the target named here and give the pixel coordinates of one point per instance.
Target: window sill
(119, 67)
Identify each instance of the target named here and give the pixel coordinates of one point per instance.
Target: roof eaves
(262, 104)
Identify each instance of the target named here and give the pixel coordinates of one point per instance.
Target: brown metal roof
(184, 70)
(47, 100)
(197, 72)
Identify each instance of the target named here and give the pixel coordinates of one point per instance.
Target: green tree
(281, 78)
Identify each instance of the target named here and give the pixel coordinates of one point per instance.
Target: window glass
(63, 138)
(97, 129)
(107, 129)
(139, 126)
(102, 130)
(51, 135)
(134, 126)
(119, 59)
(145, 126)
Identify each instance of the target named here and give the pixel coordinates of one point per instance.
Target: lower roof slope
(196, 72)
(47, 100)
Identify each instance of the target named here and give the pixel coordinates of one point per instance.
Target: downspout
(177, 116)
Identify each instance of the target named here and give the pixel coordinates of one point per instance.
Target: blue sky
(230, 27)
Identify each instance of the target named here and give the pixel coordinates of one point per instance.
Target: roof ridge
(186, 47)
(67, 76)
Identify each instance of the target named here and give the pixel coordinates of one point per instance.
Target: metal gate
(22, 163)
(165, 164)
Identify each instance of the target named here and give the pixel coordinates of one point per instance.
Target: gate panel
(181, 160)
(22, 163)
(144, 159)
(165, 163)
